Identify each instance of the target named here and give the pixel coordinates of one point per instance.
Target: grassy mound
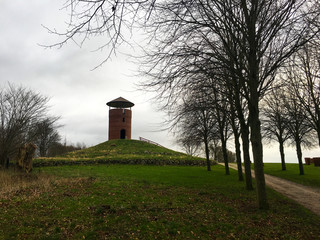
(123, 152)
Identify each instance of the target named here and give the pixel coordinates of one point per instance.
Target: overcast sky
(77, 93)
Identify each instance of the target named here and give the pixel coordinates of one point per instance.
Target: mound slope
(123, 152)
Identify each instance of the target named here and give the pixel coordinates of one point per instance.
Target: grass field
(145, 202)
(311, 175)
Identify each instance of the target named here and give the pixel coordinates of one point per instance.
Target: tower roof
(120, 102)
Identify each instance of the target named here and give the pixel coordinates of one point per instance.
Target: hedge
(139, 161)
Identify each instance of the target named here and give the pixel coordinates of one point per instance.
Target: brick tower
(120, 118)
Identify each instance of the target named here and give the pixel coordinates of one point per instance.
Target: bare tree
(306, 72)
(275, 119)
(45, 134)
(19, 109)
(188, 142)
(195, 119)
(220, 158)
(299, 129)
(220, 105)
(208, 98)
(213, 147)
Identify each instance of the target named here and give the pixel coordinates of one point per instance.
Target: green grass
(311, 175)
(123, 152)
(126, 148)
(148, 202)
(123, 147)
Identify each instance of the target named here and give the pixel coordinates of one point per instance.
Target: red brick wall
(119, 119)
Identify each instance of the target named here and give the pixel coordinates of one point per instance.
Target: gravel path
(308, 197)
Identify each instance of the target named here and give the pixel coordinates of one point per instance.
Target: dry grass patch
(13, 182)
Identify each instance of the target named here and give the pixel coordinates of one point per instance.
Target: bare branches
(303, 74)
(111, 19)
(20, 109)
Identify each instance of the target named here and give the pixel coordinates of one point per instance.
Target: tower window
(123, 119)
(123, 111)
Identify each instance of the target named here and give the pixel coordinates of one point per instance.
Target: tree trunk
(299, 154)
(207, 154)
(246, 156)
(251, 18)
(225, 157)
(7, 163)
(257, 150)
(238, 155)
(236, 141)
(317, 116)
(283, 163)
(215, 153)
(42, 150)
(244, 129)
(3, 159)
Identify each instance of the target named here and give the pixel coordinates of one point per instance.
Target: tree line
(210, 58)
(289, 113)
(24, 118)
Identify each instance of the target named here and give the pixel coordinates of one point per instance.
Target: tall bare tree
(20, 108)
(299, 129)
(194, 118)
(305, 67)
(220, 106)
(275, 119)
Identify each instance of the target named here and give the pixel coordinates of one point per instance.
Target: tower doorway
(123, 134)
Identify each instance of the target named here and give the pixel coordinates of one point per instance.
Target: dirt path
(308, 197)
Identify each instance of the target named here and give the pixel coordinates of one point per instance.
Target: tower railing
(149, 141)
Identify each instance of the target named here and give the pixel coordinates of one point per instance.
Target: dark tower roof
(120, 103)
